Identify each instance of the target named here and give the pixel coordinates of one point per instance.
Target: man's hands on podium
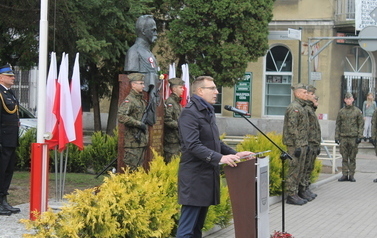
(232, 159)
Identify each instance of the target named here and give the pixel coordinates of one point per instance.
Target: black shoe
(305, 195)
(343, 178)
(8, 207)
(4, 212)
(375, 180)
(365, 139)
(295, 200)
(352, 179)
(313, 195)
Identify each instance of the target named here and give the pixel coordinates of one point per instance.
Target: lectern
(248, 185)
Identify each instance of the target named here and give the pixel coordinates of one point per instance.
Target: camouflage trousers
(171, 149)
(134, 157)
(348, 149)
(295, 170)
(311, 156)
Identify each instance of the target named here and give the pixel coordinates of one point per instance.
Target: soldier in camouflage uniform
(173, 109)
(130, 114)
(348, 132)
(374, 134)
(295, 137)
(314, 142)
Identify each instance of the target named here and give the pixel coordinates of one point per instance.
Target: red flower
(279, 234)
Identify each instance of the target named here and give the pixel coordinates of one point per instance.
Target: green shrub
(260, 143)
(130, 205)
(102, 150)
(23, 151)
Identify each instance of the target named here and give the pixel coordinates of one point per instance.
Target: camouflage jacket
(173, 109)
(296, 124)
(314, 136)
(130, 113)
(349, 123)
(374, 125)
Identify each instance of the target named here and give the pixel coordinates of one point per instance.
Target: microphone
(236, 110)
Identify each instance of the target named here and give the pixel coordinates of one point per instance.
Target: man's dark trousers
(7, 164)
(194, 218)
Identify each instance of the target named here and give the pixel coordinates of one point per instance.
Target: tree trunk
(113, 110)
(96, 108)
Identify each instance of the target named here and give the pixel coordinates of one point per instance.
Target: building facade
(322, 58)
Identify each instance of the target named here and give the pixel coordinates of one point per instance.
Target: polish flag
(63, 106)
(186, 91)
(51, 120)
(76, 104)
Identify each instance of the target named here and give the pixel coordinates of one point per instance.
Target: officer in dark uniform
(173, 109)
(9, 126)
(130, 114)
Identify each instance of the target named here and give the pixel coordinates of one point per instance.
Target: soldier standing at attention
(295, 137)
(348, 133)
(173, 109)
(374, 133)
(130, 114)
(314, 142)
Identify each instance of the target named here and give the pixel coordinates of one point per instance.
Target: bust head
(146, 28)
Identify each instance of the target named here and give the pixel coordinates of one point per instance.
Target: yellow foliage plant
(131, 205)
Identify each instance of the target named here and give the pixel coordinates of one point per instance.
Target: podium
(248, 185)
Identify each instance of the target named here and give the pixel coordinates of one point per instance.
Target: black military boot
(351, 178)
(296, 200)
(3, 211)
(313, 195)
(343, 178)
(305, 195)
(8, 207)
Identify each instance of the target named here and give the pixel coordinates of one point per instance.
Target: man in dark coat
(202, 151)
(9, 126)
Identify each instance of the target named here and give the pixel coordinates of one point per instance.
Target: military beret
(298, 86)
(311, 88)
(136, 77)
(176, 81)
(348, 95)
(6, 70)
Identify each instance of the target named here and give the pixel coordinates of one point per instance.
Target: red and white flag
(186, 91)
(51, 120)
(63, 106)
(76, 104)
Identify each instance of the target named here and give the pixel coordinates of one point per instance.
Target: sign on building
(365, 14)
(242, 93)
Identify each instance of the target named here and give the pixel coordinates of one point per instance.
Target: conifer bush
(131, 205)
(260, 143)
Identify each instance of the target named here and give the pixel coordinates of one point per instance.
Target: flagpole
(42, 71)
(39, 160)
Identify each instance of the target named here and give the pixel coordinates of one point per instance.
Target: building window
(278, 81)
(217, 105)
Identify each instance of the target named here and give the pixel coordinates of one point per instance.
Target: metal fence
(25, 88)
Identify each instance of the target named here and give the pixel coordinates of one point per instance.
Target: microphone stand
(284, 155)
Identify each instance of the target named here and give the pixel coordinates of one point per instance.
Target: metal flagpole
(38, 191)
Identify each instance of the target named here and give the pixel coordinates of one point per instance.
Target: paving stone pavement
(341, 210)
